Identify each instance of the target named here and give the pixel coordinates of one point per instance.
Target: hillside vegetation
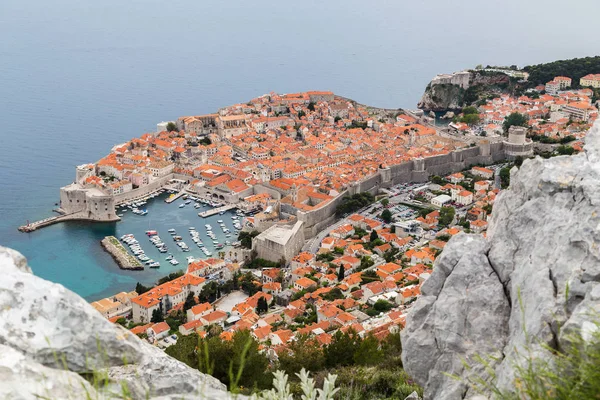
(574, 68)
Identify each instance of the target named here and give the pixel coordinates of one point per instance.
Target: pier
(217, 210)
(123, 259)
(171, 199)
(32, 226)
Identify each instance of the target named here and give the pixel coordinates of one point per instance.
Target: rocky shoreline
(123, 259)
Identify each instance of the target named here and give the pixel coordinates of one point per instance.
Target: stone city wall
(419, 170)
(144, 190)
(259, 189)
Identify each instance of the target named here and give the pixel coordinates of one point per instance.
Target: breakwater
(119, 253)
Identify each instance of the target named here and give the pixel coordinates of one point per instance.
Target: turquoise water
(74, 250)
(78, 77)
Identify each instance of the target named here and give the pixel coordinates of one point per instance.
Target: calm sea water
(77, 77)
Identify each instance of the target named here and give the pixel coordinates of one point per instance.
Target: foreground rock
(506, 296)
(51, 340)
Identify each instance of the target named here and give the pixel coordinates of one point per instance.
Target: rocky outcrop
(450, 96)
(442, 97)
(500, 301)
(53, 344)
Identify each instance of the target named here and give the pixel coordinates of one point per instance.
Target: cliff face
(442, 97)
(447, 96)
(538, 270)
(52, 341)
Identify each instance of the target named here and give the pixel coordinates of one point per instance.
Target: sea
(77, 77)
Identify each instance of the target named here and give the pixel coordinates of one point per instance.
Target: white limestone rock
(542, 249)
(461, 314)
(23, 379)
(50, 327)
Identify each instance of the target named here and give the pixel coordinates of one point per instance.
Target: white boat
(182, 205)
(173, 261)
(188, 201)
(155, 264)
(190, 259)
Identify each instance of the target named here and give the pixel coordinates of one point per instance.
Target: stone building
(279, 241)
(518, 144)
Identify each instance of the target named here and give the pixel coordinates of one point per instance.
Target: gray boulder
(540, 265)
(461, 314)
(50, 339)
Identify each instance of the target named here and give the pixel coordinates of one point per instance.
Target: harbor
(166, 236)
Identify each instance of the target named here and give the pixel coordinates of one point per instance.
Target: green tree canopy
(172, 127)
(374, 236)
(189, 301)
(386, 216)
(304, 352)
(565, 150)
(342, 348)
(446, 216)
(514, 119)
(368, 352)
(341, 273)
(157, 316)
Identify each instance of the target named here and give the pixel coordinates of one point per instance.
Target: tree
(189, 301)
(382, 305)
(226, 359)
(386, 216)
(121, 321)
(157, 316)
(368, 352)
(505, 177)
(470, 119)
(341, 273)
(341, 349)
(304, 352)
(470, 110)
(374, 236)
(172, 127)
(446, 216)
(140, 289)
(301, 114)
(261, 305)
(565, 150)
(385, 202)
(437, 180)
(333, 294)
(245, 238)
(514, 119)
(311, 106)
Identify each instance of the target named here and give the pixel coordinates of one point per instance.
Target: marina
(166, 236)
